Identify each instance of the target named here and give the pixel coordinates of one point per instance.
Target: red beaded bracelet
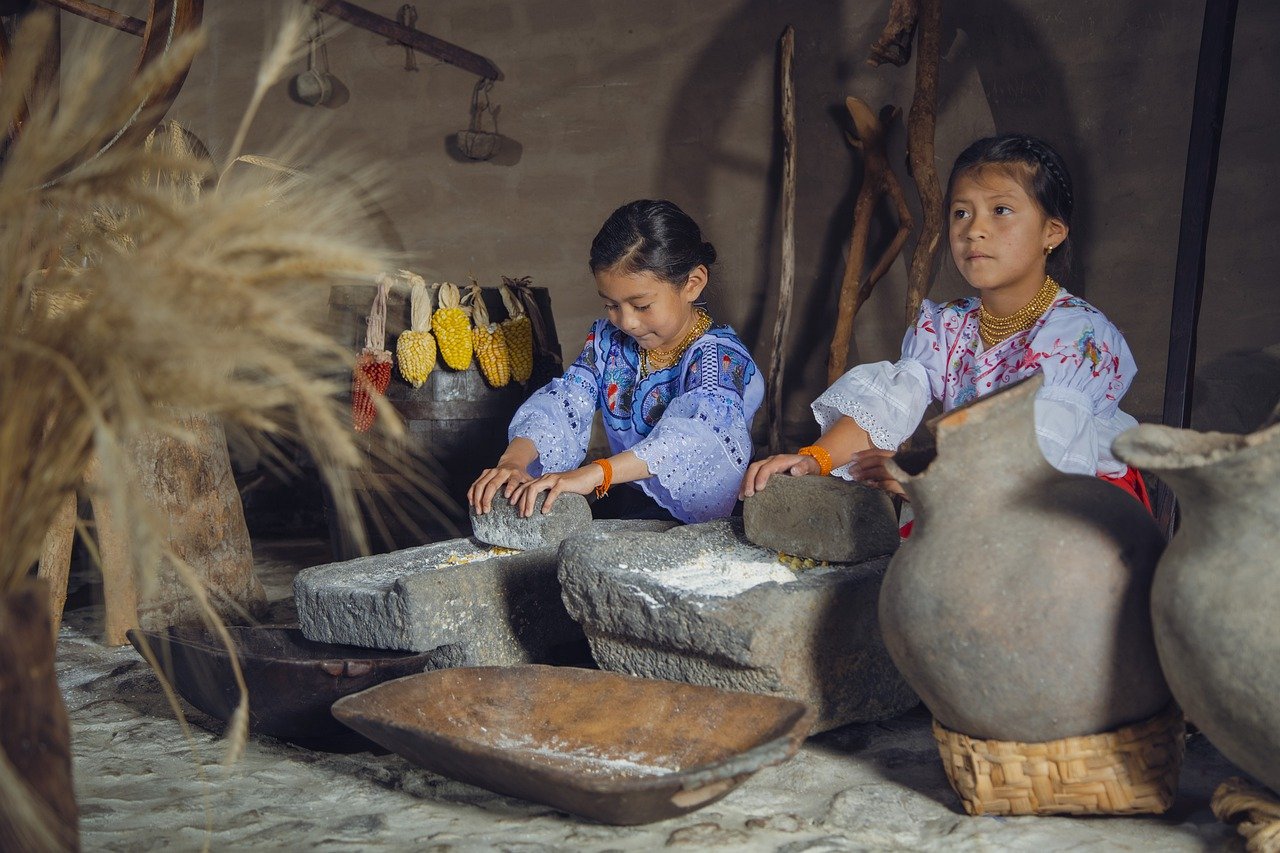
(819, 455)
(603, 488)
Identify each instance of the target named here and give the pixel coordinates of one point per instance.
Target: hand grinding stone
(822, 518)
(502, 525)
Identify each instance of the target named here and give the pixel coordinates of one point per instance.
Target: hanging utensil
(475, 142)
(314, 87)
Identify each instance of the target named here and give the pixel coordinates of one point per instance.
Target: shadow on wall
(705, 103)
(1237, 392)
(1025, 91)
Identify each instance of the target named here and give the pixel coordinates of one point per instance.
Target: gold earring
(1048, 250)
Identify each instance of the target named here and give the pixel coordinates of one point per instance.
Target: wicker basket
(1131, 770)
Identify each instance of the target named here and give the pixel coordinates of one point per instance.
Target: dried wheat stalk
(128, 301)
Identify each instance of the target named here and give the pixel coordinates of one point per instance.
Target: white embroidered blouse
(1086, 363)
(690, 423)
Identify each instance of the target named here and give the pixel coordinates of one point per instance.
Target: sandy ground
(145, 785)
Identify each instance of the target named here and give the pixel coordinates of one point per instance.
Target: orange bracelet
(603, 488)
(819, 455)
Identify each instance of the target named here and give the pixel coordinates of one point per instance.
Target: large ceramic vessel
(1217, 586)
(1018, 608)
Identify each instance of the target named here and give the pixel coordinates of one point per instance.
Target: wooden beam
(420, 41)
(1207, 114)
(101, 15)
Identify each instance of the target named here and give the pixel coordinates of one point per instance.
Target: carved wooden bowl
(292, 681)
(610, 747)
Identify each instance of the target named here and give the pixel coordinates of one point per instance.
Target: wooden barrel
(456, 423)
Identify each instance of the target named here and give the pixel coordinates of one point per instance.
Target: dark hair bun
(653, 236)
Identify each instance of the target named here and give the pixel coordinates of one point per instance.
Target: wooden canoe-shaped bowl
(609, 747)
(292, 681)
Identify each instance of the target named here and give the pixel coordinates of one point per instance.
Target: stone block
(822, 518)
(703, 605)
(473, 604)
(503, 527)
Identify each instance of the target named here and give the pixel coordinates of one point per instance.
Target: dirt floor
(145, 784)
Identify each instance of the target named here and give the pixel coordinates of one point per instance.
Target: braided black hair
(1048, 180)
(650, 236)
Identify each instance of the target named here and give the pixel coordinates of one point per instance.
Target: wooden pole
(101, 15)
(786, 286)
(1208, 111)
(420, 41)
(894, 44)
(877, 179)
(921, 124)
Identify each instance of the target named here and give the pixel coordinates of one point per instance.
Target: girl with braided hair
(1009, 202)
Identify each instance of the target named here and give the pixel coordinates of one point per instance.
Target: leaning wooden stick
(894, 44)
(786, 287)
(877, 179)
(921, 124)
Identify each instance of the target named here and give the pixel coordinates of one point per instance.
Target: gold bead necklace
(993, 329)
(661, 359)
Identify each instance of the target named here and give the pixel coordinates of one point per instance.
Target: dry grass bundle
(130, 300)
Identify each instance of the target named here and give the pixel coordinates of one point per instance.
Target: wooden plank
(420, 41)
(1212, 77)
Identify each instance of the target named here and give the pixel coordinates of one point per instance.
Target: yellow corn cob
(416, 348)
(488, 341)
(518, 330)
(453, 332)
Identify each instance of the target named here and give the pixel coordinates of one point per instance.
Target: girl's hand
(868, 468)
(758, 473)
(579, 481)
(507, 476)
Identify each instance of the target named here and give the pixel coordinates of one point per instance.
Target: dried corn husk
(488, 341)
(518, 330)
(451, 328)
(416, 346)
(372, 372)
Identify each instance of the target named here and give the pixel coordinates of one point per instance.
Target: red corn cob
(372, 372)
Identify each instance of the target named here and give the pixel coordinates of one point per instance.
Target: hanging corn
(416, 347)
(372, 373)
(488, 341)
(452, 331)
(518, 330)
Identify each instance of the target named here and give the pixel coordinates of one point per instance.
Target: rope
(1255, 810)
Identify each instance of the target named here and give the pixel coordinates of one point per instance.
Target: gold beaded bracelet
(819, 455)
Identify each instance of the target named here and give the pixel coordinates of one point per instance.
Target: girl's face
(999, 233)
(654, 312)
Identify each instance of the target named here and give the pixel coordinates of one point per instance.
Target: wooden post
(1212, 78)
(921, 124)
(787, 283)
(55, 558)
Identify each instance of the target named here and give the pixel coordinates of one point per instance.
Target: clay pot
(1018, 607)
(35, 733)
(1213, 601)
